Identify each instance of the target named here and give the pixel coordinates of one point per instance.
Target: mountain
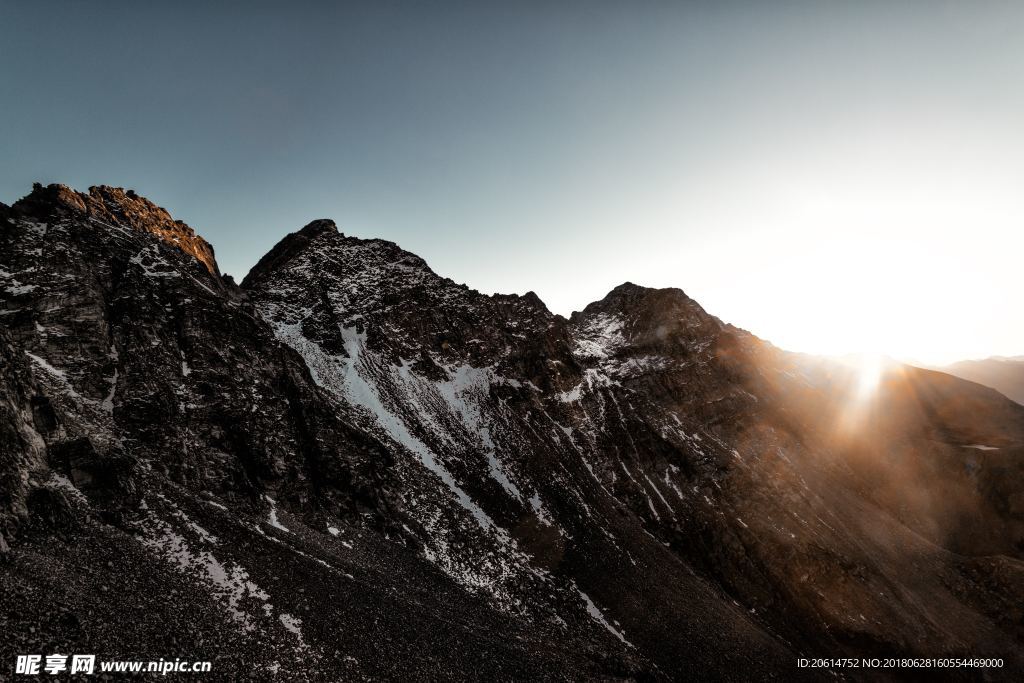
(351, 467)
(1005, 375)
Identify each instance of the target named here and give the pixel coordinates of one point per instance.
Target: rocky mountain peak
(120, 207)
(629, 296)
(533, 300)
(45, 200)
(339, 285)
(319, 226)
(647, 315)
(290, 246)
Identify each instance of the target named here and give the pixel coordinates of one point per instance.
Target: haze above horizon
(833, 178)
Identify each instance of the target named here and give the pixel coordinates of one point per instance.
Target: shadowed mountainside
(1005, 375)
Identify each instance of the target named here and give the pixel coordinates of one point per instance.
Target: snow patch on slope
(229, 584)
(598, 617)
(272, 519)
(464, 393)
(351, 377)
(599, 337)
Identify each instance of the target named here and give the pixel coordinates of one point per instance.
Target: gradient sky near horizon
(834, 177)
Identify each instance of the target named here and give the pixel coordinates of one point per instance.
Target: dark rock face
(351, 467)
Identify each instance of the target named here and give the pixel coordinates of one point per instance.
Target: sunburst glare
(869, 368)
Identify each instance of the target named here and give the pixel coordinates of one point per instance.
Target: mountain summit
(352, 467)
(114, 206)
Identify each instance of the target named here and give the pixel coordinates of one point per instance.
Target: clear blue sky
(832, 176)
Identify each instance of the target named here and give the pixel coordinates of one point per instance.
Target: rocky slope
(350, 467)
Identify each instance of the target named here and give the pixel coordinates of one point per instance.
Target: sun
(869, 367)
(864, 373)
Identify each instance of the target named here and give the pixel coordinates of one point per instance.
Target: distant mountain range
(1004, 374)
(349, 467)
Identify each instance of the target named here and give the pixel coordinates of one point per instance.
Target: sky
(835, 177)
